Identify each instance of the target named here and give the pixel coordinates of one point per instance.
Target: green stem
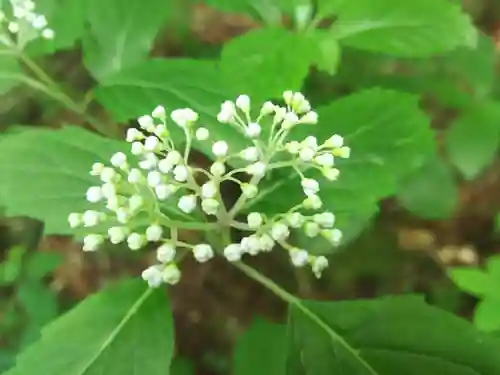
(186, 224)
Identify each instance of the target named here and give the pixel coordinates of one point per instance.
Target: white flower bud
(97, 169)
(94, 194)
(171, 274)
(293, 147)
(279, 232)
(279, 114)
(108, 190)
(335, 141)
(311, 229)
(210, 206)
(318, 265)
(137, 148)
(311, 142)
(209, 190)
(267, 108)
(108, 174)
(187, 203)
(312, 202)
(289, 121)
(165, 191)
(122, 215)
(307, 154)
(75, 220)
(113, 203)
(220, 149)
(152, 144)
(159, 112)
(310, 186)
(13, 27)
(48, 34)
(254, 220)
(117, 234)
(325, 160)
(181, 173)
(91, 242)
(334, 236)
(135, 241)
(287, 97)
(164, 166)
(251, 245)
(91, 218)
(203, 253)
(299, 257)
(225, 116)
(134, 176)
(145, 121)
(135, 202)
(133, 134)
(266, 242)
(257, 169)
(174, 157)
(250, 154)
(165, 253)
(184, 117)
(249, 191)
(309, 118)
(202, 134)
(297, 100)
(243, 103)
(154, 178)
(331, 173)
(295, 219)
(233, 252)
(325, 219)
(252, 130)
(303, 107)
(153, 276)
(343, 152)
(217, 168)
(161, 131)
(154, 233)
(119, 160)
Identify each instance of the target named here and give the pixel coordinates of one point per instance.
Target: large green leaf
(264, 62)
(261, 349)
(173, 84)
(382, 337)
(431, 191)
(472, 140)
(400, 28)
(125, 329)
(121, 35)
(389, 136)
(45, 173)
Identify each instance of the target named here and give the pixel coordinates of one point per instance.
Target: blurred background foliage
(446, 214)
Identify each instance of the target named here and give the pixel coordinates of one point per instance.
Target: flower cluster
(156, 175)
(24, 17)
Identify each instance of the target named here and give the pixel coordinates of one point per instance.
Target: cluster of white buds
(24, 17)
(159, 176)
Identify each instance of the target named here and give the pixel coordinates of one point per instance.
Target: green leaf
(10, 268)
(46, 172)
(471, 280)
(264, 62)
(124, 329)
(389, 136)
(121, 36)
(40, 264)
(173, 84)
(181, 366)
(261, 349)
(381, 337)
(487, 314)
(328, 54)
(401, 28)
(472, 141)
(431, 192)
(10, 71)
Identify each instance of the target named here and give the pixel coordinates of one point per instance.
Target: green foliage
(181, 366)
(122, 328)
(473, 139)
(328, 52)
(484, 285)
(10, 71)
(388, 135)
(46, 172)
(252, 61)
(121, 36)
(402, 29)
(431, 191)
(261, 349)
(173, 84)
